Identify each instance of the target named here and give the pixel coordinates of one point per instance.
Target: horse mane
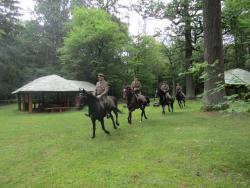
(160, 92)
(91, 96)
(129, 91)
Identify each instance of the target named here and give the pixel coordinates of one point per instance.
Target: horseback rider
(102, 87)
(178, 89)
(101, 90)
(165, 89)
(136, 87)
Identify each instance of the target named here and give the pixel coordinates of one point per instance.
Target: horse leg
(144, 114)
(181, 101)
(112, 118)
(172, 106)
(103, 127)
(141, 115)
(180, 105)
(94, 127)
(130, 117)
(168, 108)
(163, 109)
(116, 116)
(184, 102)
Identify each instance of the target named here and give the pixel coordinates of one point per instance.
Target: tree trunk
(190, 94)
(213, 53)
(173, 84)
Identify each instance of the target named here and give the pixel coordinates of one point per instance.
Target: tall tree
(233, 12)
(175, 67)
(53, 14)
(9, 28)
(213, 55)
(94, 44)
(186, 19)
(148, 61)
(110, 6)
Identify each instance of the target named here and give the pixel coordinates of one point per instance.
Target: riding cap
(102, 75)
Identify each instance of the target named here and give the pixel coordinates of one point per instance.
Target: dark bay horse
(180, 98)
(98, 110)
(134, 102)
(165, 101)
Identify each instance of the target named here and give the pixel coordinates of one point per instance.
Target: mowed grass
(187, 148)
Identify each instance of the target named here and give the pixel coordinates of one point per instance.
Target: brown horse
(135, 102)
(180, 98)
(165, 101)
(98, 109)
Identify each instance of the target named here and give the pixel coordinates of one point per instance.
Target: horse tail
(172, 105)
(148, 101)
(115, 100)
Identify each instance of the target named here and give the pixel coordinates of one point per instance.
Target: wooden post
(67, 100)
(30, 102)
(19, 101)
(77, 101)
(23, 101)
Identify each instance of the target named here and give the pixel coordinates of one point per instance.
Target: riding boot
(168, 95)
(136, 97)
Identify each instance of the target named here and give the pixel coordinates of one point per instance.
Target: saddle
(140, 97)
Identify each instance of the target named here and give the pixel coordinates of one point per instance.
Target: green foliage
(53, 15)
(28, 50)
(235, 21)
(9, 62)
(94, 44)
(174, 66)
(148, 61)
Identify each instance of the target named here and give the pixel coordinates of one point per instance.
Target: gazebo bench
(58, 108)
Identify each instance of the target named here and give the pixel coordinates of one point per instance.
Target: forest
(77, 39)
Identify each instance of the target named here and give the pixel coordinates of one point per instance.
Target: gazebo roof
(237, 77)
(54, 83)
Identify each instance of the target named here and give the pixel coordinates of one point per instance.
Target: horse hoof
(92, 137)
(118, 124)
(107, 132)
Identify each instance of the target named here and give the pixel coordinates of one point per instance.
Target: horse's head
(85, 97)
(127, 92)
(159, 92)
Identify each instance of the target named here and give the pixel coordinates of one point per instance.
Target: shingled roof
(237, 77)
(54, 83)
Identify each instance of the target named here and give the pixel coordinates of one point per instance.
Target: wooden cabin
(237, 81)
(51, 93)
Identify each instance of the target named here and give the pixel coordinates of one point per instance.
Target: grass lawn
(187, 148)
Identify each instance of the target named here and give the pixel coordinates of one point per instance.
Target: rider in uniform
(101, 91)
(179, 89)
(165, 89)
(102, 87)
(136, 87)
